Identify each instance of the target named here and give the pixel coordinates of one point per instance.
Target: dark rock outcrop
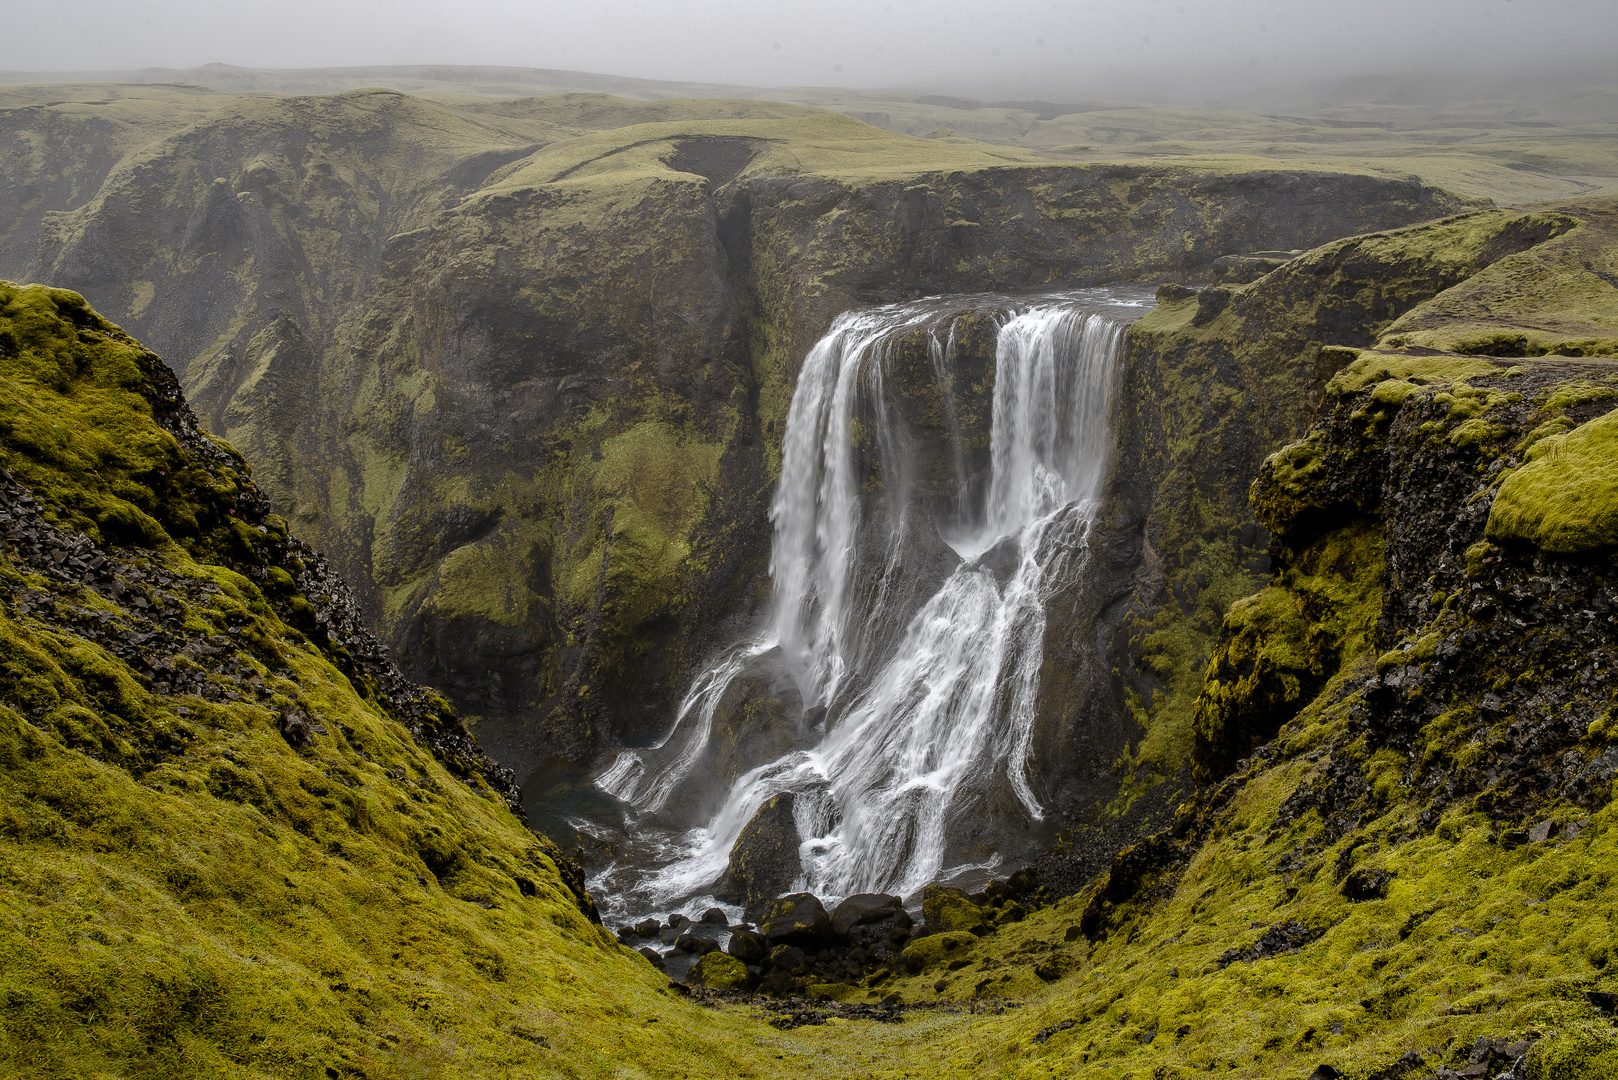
(765, 863)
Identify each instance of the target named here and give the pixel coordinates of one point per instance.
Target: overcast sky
(1047, 47)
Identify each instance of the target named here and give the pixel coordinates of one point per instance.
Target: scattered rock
(653, 956)
(748, 947)
(1055, 966)
(295, 729)
(864, 908)
(1366, 883)
(1280, 938)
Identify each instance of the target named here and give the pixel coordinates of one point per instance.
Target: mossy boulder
(797, 919)
(947, 909)
(720, 971)
(764, 863)
(936, 949)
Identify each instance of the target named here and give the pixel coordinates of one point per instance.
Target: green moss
(927, 953)
(1587, 1051)
(949, 909)
(1578, 392)
(720, 971)
(1279, 648)
(1565, 498)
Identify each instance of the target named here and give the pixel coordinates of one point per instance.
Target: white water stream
(948, 703)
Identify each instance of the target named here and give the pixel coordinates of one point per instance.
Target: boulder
(716, 916)
(764, 862)
(1367, 883)
(935, 949)
(690, 943)
(797, 919)
(788, 958)
(748, 947)
(864, 908)
(648, 927)
(719, 971)
(652, 956)
(949, 909)
(1055, 966)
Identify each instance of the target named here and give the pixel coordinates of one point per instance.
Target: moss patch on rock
(1564, 499)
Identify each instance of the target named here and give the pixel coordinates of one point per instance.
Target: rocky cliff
(522, 370)
(1395, 858)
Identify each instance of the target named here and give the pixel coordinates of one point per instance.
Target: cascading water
(924, 696)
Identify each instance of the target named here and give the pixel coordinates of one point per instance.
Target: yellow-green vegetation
(1558, 299)
(1470, 939)
(1279, 647)
(187, 891)
(1565, 497)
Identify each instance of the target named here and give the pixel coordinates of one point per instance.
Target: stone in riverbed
(652, 956)
(764, 863)
(716, 916)
(690, 943)
(864, 908)
(797, 919)
(748, 947)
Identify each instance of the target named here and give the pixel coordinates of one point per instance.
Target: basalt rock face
(1207, 393)
(529, 400)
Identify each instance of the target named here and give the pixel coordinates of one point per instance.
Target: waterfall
(944, 701)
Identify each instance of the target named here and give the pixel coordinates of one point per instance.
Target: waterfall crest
(921, 660)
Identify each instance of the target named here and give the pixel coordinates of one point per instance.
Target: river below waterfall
(941, 465)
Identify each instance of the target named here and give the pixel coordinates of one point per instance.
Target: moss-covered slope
(234, 841)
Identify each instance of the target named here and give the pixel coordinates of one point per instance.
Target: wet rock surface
(764, 863)
(864, 941)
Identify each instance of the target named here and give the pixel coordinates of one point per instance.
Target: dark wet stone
(797, 919)
(864, 908)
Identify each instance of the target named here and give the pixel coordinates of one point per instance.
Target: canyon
(523, 386)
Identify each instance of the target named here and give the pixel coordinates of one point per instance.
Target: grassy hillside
(236, 842)
(1514, 136)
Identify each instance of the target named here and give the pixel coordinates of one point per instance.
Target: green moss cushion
(1565, 499)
